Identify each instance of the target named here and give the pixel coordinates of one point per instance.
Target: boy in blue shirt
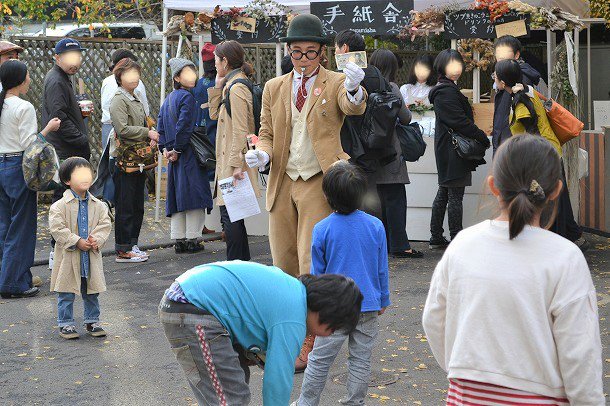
(351, 243)
(216, 314)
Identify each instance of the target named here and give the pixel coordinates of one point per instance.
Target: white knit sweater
(520, 314)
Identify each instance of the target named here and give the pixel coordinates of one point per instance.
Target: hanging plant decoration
(497, 8)
(467, 47)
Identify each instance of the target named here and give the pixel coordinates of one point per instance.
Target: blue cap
(68, 44)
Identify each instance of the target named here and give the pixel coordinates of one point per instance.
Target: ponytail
(247, 69)
(521, 212)
(531, 126)
(2, 97)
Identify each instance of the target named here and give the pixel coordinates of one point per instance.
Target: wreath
(467, 47)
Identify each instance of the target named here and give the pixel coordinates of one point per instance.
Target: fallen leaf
(25, 354)
(96, 376)
(78, 382)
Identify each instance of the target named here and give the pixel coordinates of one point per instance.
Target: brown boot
(301, 362)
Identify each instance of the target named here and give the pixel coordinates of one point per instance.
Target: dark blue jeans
(17, 227)
(65, 303)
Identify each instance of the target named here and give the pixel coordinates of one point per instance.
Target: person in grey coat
(392, 177)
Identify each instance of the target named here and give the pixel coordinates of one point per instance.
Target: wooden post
(278, 59)
(200, 59)
(161, 100)
(549, 59)
(476, 80)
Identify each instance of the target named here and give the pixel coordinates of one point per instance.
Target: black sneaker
(68, 332)
(95, 330)
(180, 247)
(438, 244)
(28, 293)
(193, 246)
(407, 254)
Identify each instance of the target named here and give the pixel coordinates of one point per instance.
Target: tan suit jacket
(231, 141)
(327, 109)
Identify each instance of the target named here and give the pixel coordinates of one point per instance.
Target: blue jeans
(17, 227)
(65, 302)
(326, 349)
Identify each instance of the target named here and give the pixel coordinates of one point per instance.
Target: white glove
(255, 158)
(353, 76)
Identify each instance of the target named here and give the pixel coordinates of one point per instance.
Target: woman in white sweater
(512, 313)
(18, 130)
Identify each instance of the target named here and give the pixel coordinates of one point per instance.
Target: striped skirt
(470, 393)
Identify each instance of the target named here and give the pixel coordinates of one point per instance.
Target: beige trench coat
(63, 222)
(231, 141)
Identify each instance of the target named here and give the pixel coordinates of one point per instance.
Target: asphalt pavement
(133, 365)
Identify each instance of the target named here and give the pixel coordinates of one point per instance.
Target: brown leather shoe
(301, 362)
(207, 231)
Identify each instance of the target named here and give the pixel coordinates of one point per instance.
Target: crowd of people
(337, 210)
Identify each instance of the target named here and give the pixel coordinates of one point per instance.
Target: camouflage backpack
(40, 165)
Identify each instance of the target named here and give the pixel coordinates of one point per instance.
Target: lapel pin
(317, 91)
(323, 101)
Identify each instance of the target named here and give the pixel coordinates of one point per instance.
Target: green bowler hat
(305, 27)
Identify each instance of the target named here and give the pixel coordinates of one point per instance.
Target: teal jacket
(262, 308)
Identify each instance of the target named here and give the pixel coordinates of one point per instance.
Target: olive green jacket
(128, 117)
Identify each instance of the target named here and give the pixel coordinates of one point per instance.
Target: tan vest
(302, 161)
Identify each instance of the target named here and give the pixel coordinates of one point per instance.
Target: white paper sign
(601, 113)
(240, 199)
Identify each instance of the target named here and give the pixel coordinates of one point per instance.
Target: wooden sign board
(477, 23)
(514, 28)
(245, 24)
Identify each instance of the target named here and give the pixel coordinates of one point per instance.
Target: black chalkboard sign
(266, 31)
(477, 23)
(384, 18)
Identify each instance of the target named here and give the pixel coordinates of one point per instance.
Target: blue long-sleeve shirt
(83, 231)
(354, 245)
(261, 307)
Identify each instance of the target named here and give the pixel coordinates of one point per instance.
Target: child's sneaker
(95, 330)
(138, 251)
(68, 332)
(130, 257)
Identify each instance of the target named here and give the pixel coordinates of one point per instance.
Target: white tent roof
(579, 8)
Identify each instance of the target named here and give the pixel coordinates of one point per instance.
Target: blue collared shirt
(83, 231)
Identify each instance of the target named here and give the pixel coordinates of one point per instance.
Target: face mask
(453, 69)
(503, 53)
(81, 178)
(422, 72)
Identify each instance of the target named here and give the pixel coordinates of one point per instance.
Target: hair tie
(518, 87)
(535, 193)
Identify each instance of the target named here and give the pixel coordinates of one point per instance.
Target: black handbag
(411, 141)
(203, 149)
(467, 148)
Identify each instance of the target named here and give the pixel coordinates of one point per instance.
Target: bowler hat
(305, 27)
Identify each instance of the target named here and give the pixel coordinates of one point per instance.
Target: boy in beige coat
(80, 225)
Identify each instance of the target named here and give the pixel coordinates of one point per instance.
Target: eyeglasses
(311, 54)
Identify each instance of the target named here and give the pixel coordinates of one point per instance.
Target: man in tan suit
(301, 120)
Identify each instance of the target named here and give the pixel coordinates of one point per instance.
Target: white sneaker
(139, 252)
(130, 257)
(51, 255)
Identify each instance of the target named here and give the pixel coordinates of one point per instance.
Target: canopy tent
(579, 8)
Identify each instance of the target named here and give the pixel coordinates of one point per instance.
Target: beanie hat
(177, 64)
(207, 52)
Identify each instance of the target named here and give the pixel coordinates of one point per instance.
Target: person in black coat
(453, 114)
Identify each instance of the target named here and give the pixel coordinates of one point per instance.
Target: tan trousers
(299, 206)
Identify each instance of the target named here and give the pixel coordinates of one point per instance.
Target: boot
(301, 362)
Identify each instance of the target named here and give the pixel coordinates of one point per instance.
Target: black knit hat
(119, 54)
